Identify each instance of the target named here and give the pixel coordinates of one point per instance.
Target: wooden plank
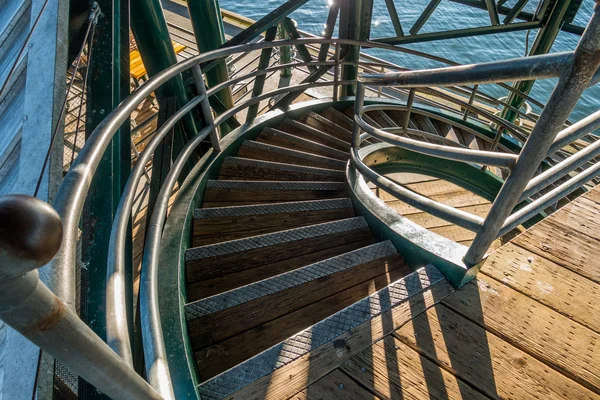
(429, 221)
(215, 230)
(295, 376)
(214, 328)
(456, 199)
(333, 129)
(483, 360)
(279, 140)
(532, 327)
(226, 354)
(335, 386)
(233, 171)
(429, 188)
(323, 138)
(214, 197)
(212, 267)
(209, 287)
(547, 282)
(571, 249)
(260, 154)
(392, 370)
(333, 116)
(454, 232)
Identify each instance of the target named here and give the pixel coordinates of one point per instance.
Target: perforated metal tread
(283, 167)
(319, 334)
(271, 239)
(288, 280)
(283, 151)
(326, 136)
(276, 208)
(308, 144)
(275, 185)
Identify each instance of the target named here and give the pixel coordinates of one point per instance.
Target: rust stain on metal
(57, 313)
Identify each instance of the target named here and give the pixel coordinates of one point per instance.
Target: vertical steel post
(355, 23)
(204, 104)
(153, 40)
(207, 23)
(541, 45)
(336, 73)
(285, 52)
(259, 81)
(409, 104)
(358, 109)
(109, 86)
(565, 95)
(471, 99)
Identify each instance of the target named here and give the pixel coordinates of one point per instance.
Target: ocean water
(448, 15)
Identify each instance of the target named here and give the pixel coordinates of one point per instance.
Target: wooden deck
(446, 193)
(527, 328)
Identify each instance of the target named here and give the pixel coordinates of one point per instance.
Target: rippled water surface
(448, 15)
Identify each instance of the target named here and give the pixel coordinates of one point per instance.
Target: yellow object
(136, 64)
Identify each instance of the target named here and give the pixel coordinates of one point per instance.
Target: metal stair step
(238, 168)
(338, 117)
(219, 224)
(224, 316)
(284, 139)
(269, 254)
(297, 347)
(318, 121)
(287, 280)
(230, 193)
(269, 152)
(316, 135)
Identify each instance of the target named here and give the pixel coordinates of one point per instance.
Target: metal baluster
(568, 90)
(471, 99)
(205, 105)
(409, 104)
(358, 109)
(336, 72)
(29, 307)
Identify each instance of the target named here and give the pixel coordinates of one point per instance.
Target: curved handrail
(575, 70)
(73, 192)
(436, 150)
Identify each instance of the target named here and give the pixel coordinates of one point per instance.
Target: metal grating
(271, 239)
(277, 208)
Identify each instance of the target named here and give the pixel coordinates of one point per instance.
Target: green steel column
(285, 52)
(207, 23)
(355, 23)
(109, 85)
(156, 48)
(541, 45)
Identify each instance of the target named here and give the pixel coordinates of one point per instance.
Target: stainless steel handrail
(73, 192)
(436, 150)
(575, 71)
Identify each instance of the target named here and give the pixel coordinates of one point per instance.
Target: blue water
(448, 15)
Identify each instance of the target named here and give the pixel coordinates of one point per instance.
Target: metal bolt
(25, 118)
(341, 386)
(30, 45)
(363, 369)
(102, 111)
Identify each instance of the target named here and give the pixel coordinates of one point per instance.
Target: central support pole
(355, 23)
(207, 23)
